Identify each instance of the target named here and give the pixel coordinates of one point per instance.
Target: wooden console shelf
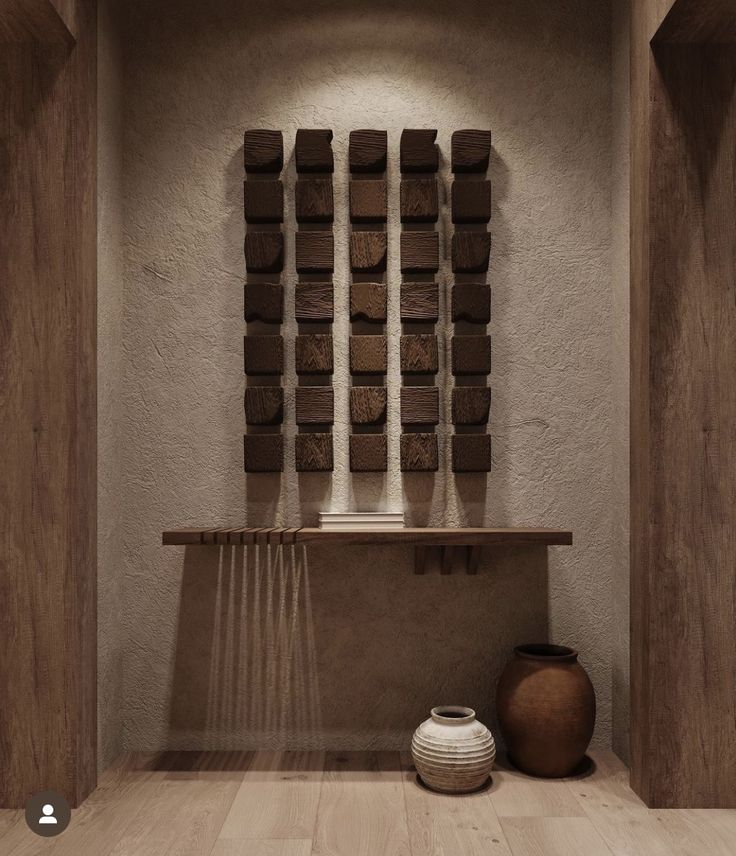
(421, 539)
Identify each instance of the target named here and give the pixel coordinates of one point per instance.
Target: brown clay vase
(546, 710)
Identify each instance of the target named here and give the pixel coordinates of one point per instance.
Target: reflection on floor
(361, 804)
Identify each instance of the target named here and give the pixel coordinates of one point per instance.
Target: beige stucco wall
(350, 649)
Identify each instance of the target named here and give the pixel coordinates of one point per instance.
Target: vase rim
(451, 714)
(546, 652)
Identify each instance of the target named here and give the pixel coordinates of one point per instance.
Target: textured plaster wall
(346, 648)
(110, 292)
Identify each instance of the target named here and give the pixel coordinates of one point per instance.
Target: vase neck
(453, 715)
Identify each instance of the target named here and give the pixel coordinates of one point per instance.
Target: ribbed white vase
(452, 751)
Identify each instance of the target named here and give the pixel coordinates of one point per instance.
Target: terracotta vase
(452, 751)
(546, 710)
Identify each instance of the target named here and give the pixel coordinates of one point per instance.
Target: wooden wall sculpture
(368, 202)
(314, 300)
(468, 302)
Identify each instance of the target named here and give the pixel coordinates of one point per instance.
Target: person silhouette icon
(48, 814)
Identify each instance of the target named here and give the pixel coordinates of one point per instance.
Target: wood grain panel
(313, 354)
(471, 201)
(264, 252)
(471, 355)
(471, 405)
(315, 405)
(368, 355)
(263, 453)
(368, 405)
(419, 201)
(368, 301)
(314, 302)
(699, 22)
(313, 453)
(420, 301)
(263, 201)
(471, 453)
(313, 150)
(264, 301)
(418, 151)
(264, 355)
(420, 252)
(368, 453)
(368, 201)
(48, 411)
(367, 151)
(315, 252)
(419, 354)
(471, 302)
(34, 21)
(470, 252)
(264, 405)
(470, 150)
(419, 453)
(420, 405)
(314, 201)
(368, 252)
(263, 151)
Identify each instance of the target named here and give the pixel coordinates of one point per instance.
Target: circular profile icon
(48, 814)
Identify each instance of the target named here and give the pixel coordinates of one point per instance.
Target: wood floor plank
(442, 824)
(515, 795)
(277, 798)
(553, 836)
(361, 809)
(697, 832)
(262, 847)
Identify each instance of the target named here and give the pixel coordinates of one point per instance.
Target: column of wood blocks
(314, 300)
(368, 202)
(263, 346)
(471, 301)
(419, 301)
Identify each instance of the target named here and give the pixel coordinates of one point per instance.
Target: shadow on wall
(280, 648)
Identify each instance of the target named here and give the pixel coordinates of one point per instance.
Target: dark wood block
(420, 252)
(367, 151)
(420, 301)
(471, 201)
(368, 201)
(471, 150)
(263, 453)
(314, 201)
(471, 355)
(368, 252)
(368, 301)
(420, 405)
(313, 453)
(264, 355)
(313, 354)
(419, 354)
(471, 453)
(264, 301)
(471, 405)
(264, 252)
(368, 453)
(264, 405)
(368, 405)
(471, 301)
(419, 201)
(418, 150)
(263, 201)
(470, 252)
(315, 405)
(314, 150)
(368, 355)
(315, 252)
(313, 301)
(419, 453)
(263, 151)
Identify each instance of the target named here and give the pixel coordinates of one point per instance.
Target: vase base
(450, 791)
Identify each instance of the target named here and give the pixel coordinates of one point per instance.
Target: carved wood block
(419, 354)
(263, 453)
(419, 453)
(264, 355)
(314, 150)
(368, 201)
(471, 201)
(314, 201)
(368, 405)
(263, 151)
(368, 355)
(418, 150)
(471, 453)
(420, 301)
(470, 150)
(315, 252)
(367, 151)
(313, 302)
(420, 252)
(471, 355)
(313, 453)
(313, 354)
(471, 405)
(368, 453)
(470, 252)
(420, 405)
(368, 301)
(471, 302)
(264, 252)
(264, 405)
(315, 405)
(264, 301)
(263, 201)
(419, 201)
(368, 252)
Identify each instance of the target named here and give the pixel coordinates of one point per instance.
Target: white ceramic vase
(452, 751)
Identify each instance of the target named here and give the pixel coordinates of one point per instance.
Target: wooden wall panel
(48, 419)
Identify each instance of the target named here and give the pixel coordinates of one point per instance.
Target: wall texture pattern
(347, 648)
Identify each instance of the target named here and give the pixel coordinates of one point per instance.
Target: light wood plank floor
(361, 804)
